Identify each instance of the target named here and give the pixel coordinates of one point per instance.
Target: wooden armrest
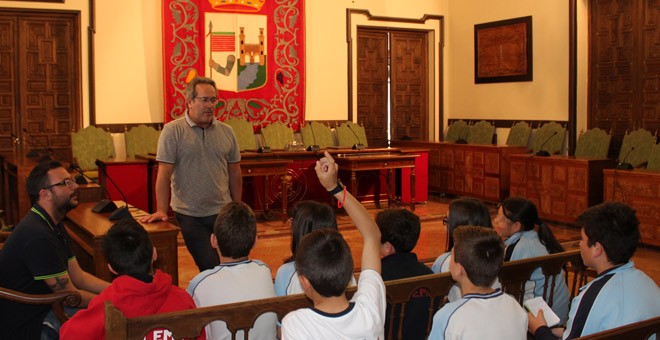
(56, 300)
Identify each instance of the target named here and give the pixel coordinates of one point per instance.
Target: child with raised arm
(482, 312)
(325, 266)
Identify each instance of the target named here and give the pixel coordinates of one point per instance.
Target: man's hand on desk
(155, 217)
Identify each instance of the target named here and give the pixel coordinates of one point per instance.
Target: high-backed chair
(519, 134)
(481, 133)
(593, 143)
(315, 133)
(277, 135)
(654, 159)
(636, 148)
(349, 134)
(90, 144)
(244, 132)
(141, 140)
(457, 130)
(549, 137)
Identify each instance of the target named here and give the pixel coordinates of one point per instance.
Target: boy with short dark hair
(325, 267)
(135, 292)
(236, 278)
(621, 294)
(482, 312)
(399, 230)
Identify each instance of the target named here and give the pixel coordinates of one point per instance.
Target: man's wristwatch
(337, 189)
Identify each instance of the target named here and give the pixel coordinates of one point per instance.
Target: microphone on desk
(622, 164)
(80, 178)
(313, 147)
(359, 145)
(462, 140)
(106, 205)
(541, 152)
(264, 148)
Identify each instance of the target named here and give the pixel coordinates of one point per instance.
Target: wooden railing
(242, 315)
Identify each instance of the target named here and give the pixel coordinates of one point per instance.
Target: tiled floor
(273, 241)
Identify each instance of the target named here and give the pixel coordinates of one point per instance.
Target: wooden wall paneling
(650, 65)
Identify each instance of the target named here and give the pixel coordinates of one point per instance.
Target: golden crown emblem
(237, 5)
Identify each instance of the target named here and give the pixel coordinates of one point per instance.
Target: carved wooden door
(372, 70)
(624, 71)
(39, 80)
(400, 58)
(409, 113)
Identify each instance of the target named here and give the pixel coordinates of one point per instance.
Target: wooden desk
(480, 171)
(560, 186)
(86, 229)
(389, 162)
(269, 167)
(640, 189)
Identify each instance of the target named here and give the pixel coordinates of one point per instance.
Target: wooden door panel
(7, 81)
(49, 82)
(372, 72)
(624, 67)
(409, 85)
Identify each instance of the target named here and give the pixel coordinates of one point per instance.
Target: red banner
(254, 52)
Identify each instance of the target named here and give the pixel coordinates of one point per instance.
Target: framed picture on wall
(503, 51)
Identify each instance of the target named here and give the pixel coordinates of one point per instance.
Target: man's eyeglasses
(68, 182)
(207, 100)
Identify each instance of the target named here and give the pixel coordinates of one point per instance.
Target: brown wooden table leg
(285, 196)
(412, 189)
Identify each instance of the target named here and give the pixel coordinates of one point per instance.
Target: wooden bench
(57, 300)
(242, 315)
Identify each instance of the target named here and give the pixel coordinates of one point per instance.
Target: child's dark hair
(127, 248)
(615, 226)
(399, 227)
(235, 229)
(325, 259)
(519, 209)
(466, 211)
(308, 216)
(481, 252)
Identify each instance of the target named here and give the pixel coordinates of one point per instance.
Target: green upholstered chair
(593, 143)
(544, 138)
(244, 132)
(141, 140)
(90, 144)
(481, 133)
(642, 141)
(519, 134)
(654, 159)
(457, 130)
(346, 136)
(315, 133)
(277, 135)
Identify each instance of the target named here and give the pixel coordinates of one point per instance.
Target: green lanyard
(34, 210)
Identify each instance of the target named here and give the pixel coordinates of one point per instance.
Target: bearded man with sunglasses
(36, 257)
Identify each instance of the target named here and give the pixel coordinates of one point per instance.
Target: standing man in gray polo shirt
(198, 157)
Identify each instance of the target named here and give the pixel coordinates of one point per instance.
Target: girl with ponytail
(526, 236)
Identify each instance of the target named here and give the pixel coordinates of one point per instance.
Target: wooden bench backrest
(635, 331)
(242, 315)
